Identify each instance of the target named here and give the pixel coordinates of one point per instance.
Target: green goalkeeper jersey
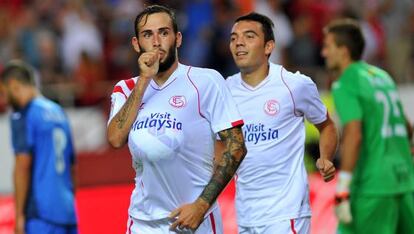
(368, 94)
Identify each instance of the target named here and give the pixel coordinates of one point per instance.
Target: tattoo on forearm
(225, 168)
(125, 111)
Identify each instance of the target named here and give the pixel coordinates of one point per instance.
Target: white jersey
(271, 181)
(172, 138)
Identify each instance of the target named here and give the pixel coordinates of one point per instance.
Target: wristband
(344, 180)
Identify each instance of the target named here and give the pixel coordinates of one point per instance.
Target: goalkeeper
(376, 178)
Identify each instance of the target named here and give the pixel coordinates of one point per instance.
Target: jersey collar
(272, 68)
(172, 78)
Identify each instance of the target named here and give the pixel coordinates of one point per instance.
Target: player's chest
(171, 105)
(270, 106)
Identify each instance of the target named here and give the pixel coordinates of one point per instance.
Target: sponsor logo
(178, 101)
(271, 107)
(257, 132)
(158, 122)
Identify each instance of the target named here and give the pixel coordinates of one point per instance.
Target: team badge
(178, 101)
(271, 107)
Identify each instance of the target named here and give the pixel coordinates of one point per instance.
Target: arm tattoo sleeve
(227, 165)
(124, 113)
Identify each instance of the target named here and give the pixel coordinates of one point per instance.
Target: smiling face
(248, 47)
(155, 31)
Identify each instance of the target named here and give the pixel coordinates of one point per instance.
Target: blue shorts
(36, 226)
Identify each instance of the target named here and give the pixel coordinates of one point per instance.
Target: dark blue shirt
(42, 131)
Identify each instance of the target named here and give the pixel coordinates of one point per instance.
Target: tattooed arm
(191, 215)
(226, 165)
(119, 126)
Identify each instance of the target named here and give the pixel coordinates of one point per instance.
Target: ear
(178, 39)
(269, 46)
(135, 44)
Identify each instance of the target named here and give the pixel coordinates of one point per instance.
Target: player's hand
(343, 208)
(326, 169)
(149, 63)
(342, 204)
(19, 224)
(189, 216)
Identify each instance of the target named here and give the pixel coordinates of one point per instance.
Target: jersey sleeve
(118, 98)
(119, 95)
(117, 101)
(309, 102)
(346, 103)
(22, 131)
(217, 104)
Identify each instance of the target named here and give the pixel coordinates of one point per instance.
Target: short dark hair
(267, 24)
(152, 10)
(19, 70)
(347, 32)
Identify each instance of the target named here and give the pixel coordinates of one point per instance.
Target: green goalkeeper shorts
(381, 215)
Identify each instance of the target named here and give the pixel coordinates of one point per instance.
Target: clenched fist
(149, 63)
(326, 169)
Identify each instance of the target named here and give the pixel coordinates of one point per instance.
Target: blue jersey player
(44, 189)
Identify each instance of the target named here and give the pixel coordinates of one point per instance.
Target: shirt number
(389, 99)
(59, 144)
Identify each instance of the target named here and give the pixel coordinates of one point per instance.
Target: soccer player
(376, 178)
(44, 165)
(272, 194)
(169, 116)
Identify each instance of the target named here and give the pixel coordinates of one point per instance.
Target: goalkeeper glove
(342, 204)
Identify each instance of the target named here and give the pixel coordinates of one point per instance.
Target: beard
(13, 103)
(168, 61)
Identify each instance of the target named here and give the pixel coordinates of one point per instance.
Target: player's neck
(345, 64)
(28, 96)
(162, 77)
(255, 76)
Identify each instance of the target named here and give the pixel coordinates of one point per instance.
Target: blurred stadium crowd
(82, 47)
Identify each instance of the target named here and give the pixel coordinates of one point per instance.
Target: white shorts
(212, 224)
(289, 226)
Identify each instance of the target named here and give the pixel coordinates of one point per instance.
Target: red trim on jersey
(213, 223)
(118, 89)
(130, 225)
(130, 83)
(198, 94)
(291, 95)
(237, 123)
(292, 226)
